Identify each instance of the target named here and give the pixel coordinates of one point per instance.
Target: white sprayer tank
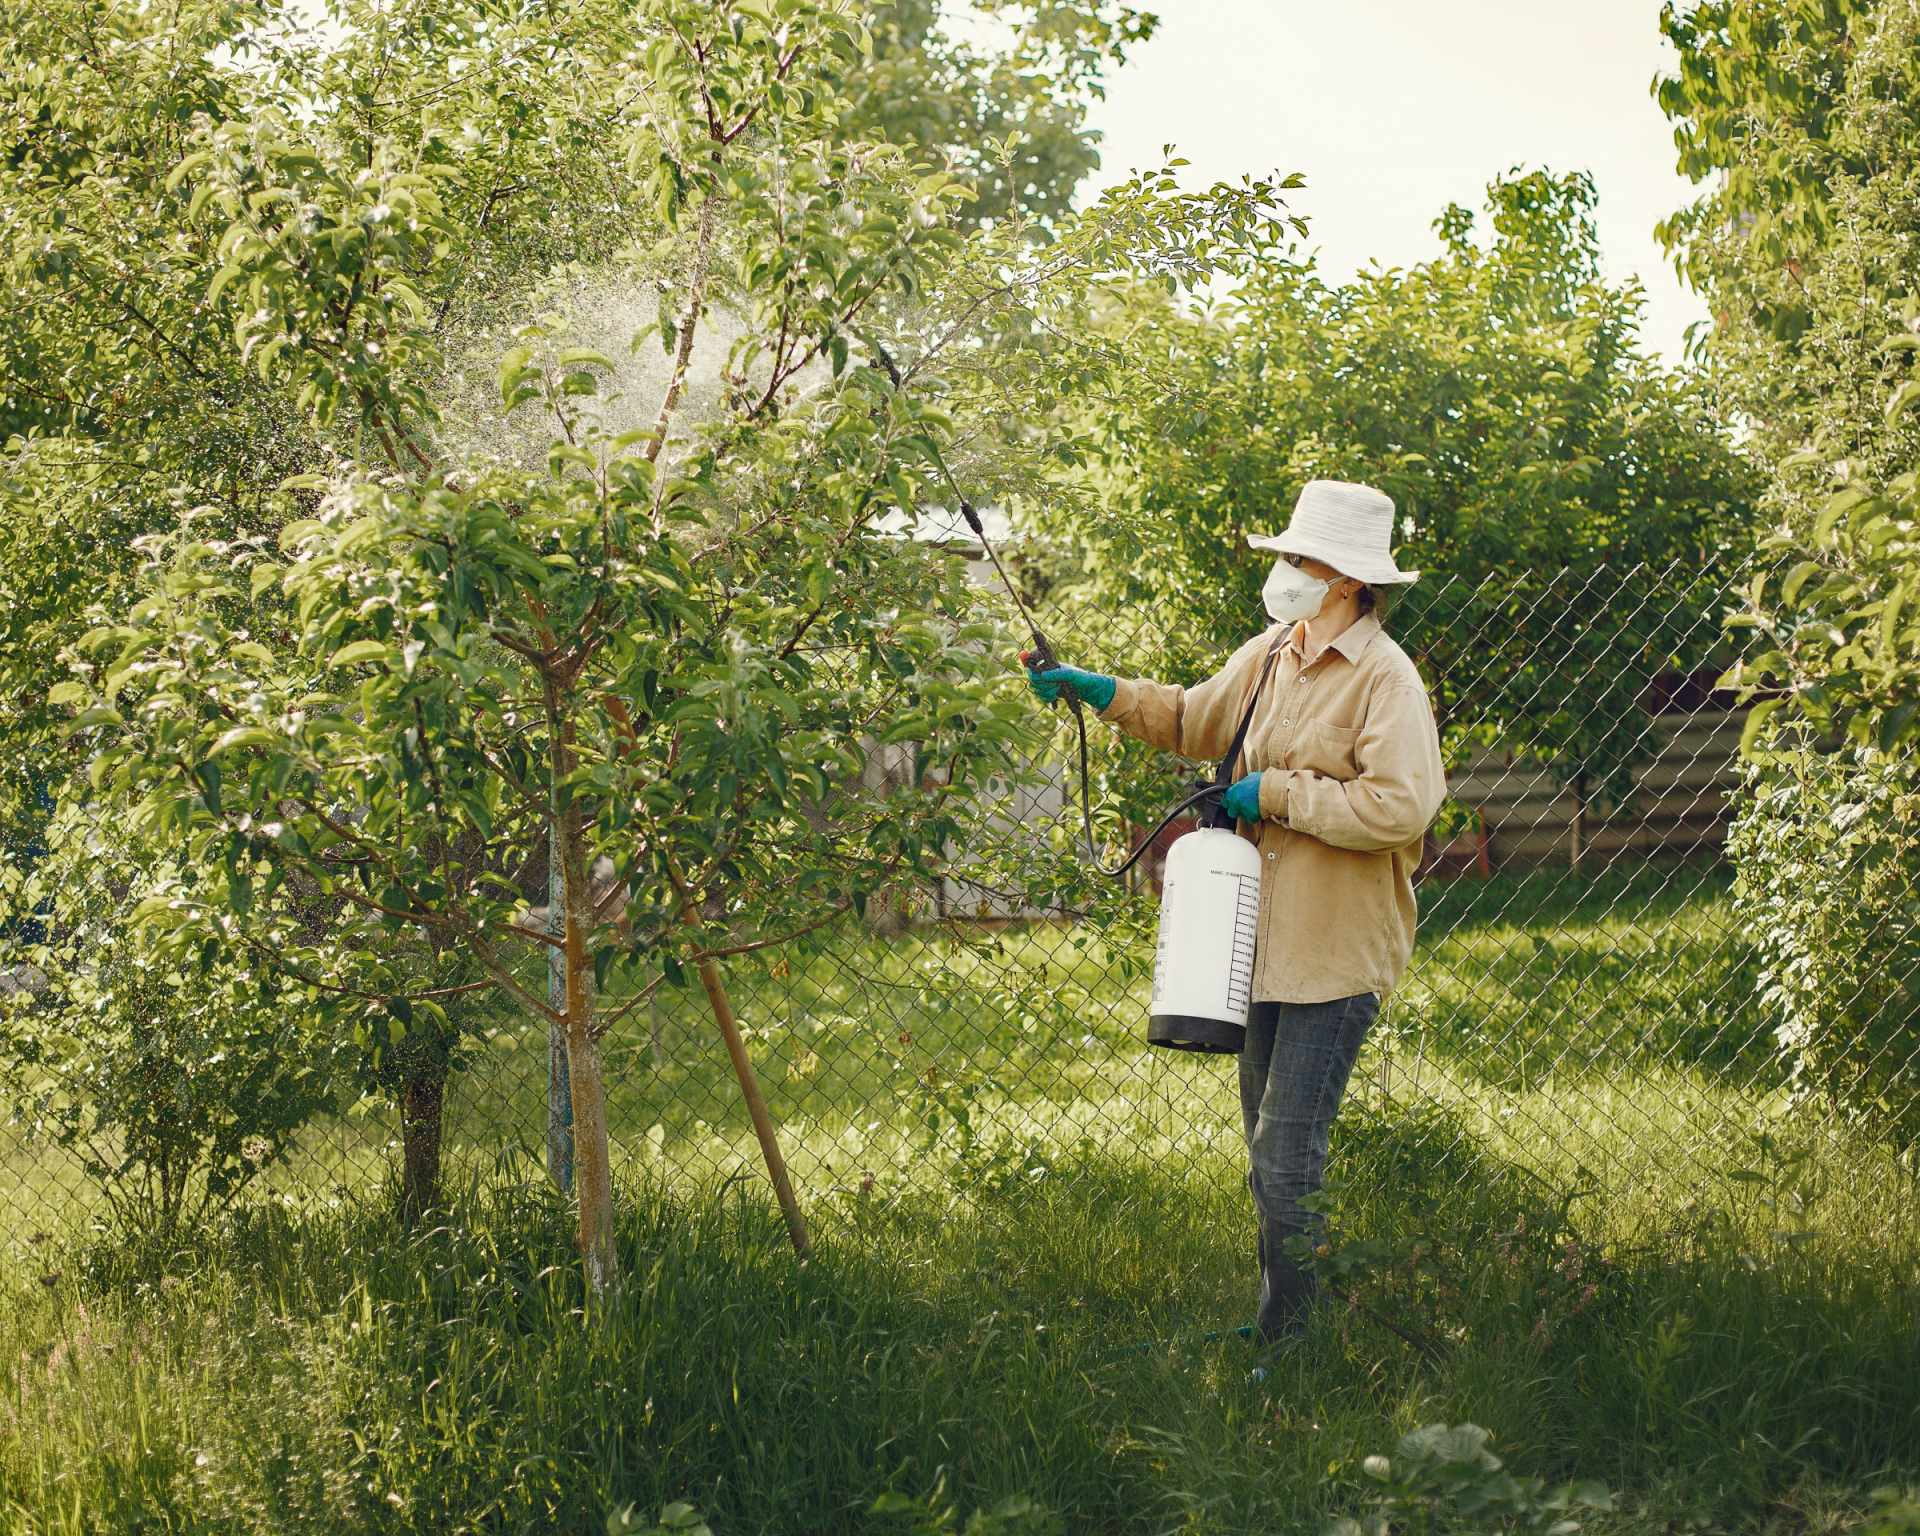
(1203, 964)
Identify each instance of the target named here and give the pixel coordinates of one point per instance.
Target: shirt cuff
(1122, 701)
(1274, 784)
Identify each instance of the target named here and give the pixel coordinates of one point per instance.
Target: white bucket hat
(1349, 526)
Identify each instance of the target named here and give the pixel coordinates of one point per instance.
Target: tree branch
(683, 350)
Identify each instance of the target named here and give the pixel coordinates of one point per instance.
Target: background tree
(1007, 120)
(1564, 491)
(1808, 245)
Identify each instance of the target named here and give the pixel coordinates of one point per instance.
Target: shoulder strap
(1221, 775)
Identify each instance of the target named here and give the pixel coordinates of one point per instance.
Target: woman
(1340, 778)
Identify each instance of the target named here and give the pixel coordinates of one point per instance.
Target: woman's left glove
(1242, 799)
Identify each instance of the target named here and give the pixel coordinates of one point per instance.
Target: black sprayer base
(1191, 1032)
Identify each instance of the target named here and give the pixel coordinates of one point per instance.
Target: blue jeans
(1293, 1070)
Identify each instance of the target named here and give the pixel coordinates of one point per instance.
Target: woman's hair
(1377, 601)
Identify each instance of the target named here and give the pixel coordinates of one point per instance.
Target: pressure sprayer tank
(1203, 966)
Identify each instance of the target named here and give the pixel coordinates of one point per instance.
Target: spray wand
(1210, 895)
(1040, 657)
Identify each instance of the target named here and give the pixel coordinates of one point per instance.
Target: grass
(316, 1371)
(1667, 1277)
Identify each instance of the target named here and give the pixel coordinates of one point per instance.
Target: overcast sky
(1394, 108)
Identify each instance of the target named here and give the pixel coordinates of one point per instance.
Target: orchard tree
(143, 379)
(130, 401)
(666, 646)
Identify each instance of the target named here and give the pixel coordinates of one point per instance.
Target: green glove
(1242, 799)
(1094, 688)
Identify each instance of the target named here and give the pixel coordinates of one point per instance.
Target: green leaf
(1896, 723)
(513, 369)
(358, 651)
(1757, 718)
(244, 736)
(185, 168)
(1837, 507)
(1797, 578)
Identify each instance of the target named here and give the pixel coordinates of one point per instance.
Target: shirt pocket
(1325, 749)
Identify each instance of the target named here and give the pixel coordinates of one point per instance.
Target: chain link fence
(1592, 1001)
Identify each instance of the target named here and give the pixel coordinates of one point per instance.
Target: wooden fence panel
(1681, 804)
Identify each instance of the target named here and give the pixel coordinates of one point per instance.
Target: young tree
(126, 401)
(542, 144)
(669, 645)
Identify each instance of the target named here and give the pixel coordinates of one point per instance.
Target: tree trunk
(592, 1167)
(559, 1090)
(421, 1098)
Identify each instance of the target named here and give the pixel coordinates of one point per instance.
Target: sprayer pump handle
(1216, 811)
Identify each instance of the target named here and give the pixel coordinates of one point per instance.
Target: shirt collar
(1357, 636)
(1350, 642)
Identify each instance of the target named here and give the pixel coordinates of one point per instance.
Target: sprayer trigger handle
(1039, 658)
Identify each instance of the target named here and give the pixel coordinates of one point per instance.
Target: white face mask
(1291, 594)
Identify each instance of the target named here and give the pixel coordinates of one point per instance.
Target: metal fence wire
(1591, 999)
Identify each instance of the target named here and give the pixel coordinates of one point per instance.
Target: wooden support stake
(729, 1028)
(743, 1069)
(756, 1106)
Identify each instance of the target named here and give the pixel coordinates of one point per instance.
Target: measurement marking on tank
(1164, 938)
(1246, 923)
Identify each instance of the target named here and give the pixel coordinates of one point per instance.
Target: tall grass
(323, 1372)
(1546, 1003)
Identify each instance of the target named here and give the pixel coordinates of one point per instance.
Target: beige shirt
(1350, 780)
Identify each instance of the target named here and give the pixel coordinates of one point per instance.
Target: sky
(1392, 109)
